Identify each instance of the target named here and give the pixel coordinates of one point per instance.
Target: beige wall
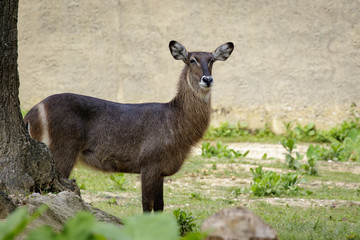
(293, 60)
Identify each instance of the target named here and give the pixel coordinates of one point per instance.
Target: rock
(63, 206)
(237, 224)
(6, 205)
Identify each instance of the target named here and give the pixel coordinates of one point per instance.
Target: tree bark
(25, 164)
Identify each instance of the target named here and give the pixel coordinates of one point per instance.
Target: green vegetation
(239, 133)
(268, 183)
(185, 221)
(312, 157)
(16, 223)
(220, 150)
(289, 145)
(83, 226)
(302, 133)
(118, 180)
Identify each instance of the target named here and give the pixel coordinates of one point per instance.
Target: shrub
(268, 183)
(313, 155)
(289, 145)
(185, 222)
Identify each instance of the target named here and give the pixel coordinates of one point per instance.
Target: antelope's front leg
(152, 191)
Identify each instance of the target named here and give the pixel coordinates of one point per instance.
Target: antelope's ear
(178, 51)
(223, 52)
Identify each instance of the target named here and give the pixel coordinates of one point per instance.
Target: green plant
(351, 145)
(348, 149)
(264, 132)
(353, 236)
(220, 150)
(185, 221)
(118, 180)
(288, 129)
(312, 157)
(16, 223)
(268, 183)
(112, 201)
(289, 145)
(82, 186)
(196, 196)
(305, 132)
(227, 130)
(214, 166)
(237, 191)
(83, 226)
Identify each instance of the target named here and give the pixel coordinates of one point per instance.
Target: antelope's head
(200, 64)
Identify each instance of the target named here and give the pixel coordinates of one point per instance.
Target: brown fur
(152, 139)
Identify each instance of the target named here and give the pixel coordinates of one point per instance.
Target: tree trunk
(25, 164)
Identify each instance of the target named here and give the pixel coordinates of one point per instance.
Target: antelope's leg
(152, 191)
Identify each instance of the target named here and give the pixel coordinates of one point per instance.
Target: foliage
(312, 157)
(347, 150)
(118, 180)
(268, 183)
(237, 191)
(293, 161)
(17, 222)
(351, 145)
(343, 130)
(83, 226)
(227, 130)
(185, 221)
(196, 196)
(305, 133)
(220, 150)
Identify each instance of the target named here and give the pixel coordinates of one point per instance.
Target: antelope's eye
(192, 60)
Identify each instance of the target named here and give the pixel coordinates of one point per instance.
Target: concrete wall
(293, 60)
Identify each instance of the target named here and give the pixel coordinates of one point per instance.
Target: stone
(6, 205)
(237, 224)
(63, 206)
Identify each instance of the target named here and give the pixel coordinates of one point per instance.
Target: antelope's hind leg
(64, 160)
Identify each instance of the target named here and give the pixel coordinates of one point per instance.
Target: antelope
(151, 139)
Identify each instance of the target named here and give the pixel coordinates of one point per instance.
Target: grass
(328, 207)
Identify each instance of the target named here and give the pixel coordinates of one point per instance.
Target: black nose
(208, 80)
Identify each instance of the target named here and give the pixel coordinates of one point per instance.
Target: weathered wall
(293, 60)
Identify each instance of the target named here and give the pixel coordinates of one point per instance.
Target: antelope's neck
(192, 110)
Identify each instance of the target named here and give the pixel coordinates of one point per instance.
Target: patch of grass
(296, 222)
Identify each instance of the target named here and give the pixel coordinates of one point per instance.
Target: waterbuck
(152, 139)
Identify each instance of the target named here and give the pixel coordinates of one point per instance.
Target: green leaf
(149, 227)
